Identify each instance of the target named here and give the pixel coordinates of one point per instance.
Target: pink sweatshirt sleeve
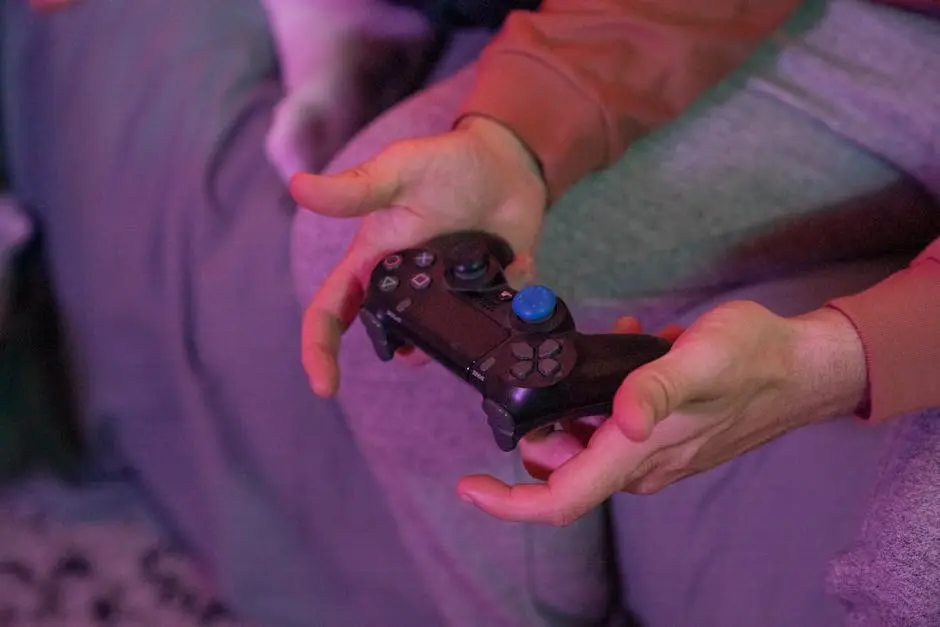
(898, 321)
(578, 81)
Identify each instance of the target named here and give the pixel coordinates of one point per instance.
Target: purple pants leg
(750, 543)
(762, 178)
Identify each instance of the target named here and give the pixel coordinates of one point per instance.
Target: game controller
(520, 349)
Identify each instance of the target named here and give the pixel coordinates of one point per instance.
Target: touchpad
(457, 328)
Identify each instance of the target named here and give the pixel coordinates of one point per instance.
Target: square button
(420, 281)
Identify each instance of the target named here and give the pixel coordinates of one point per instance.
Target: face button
(534, 304)
(424, 259)
(388, 283)
(392, 262)
(420, 281)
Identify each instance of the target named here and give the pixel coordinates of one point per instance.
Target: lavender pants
(135, 131)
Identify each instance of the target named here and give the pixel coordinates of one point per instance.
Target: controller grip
(603, 362)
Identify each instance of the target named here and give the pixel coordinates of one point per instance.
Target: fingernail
(466, 498)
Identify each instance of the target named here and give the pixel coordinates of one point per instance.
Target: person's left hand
(737, 378)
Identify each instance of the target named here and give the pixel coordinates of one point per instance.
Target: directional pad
(523, 351)
(549, 348)
(549, 367)
(522, 369)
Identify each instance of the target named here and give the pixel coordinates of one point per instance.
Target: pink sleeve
(578, 81)
(898, 321)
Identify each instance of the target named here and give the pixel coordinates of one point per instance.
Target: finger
(411, 356)
(542, 456)
(521, 228)
(627, 324)
(356, 192)
(329, 314)
(583, 429)
(576, 487)
(671, 332)
(655, 390)
(320, 341)
(521, 272)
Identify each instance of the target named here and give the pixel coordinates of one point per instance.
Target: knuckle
(647, 477)
(647, 486)
(658, 387)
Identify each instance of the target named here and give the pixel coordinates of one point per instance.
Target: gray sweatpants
(136, 132)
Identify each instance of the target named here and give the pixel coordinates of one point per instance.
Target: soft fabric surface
(890, 575)
(98, 574)
(764, 178)
(137, 134)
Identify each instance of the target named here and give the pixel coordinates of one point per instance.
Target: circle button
(392, 262)
(534, 304)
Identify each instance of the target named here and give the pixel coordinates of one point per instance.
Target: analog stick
(469, 260)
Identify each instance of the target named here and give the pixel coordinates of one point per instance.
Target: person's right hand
(478, 176)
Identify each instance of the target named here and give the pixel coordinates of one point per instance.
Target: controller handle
(603, 362)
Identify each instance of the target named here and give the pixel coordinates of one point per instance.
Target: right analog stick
(534, 304)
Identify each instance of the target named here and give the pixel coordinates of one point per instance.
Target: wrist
(505, 145)
(830, 360)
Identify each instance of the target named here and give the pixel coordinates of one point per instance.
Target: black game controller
(449, 298)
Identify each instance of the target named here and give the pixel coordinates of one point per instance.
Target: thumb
(352, 193)
(521, 272)
(523, 237)
(654, 391)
